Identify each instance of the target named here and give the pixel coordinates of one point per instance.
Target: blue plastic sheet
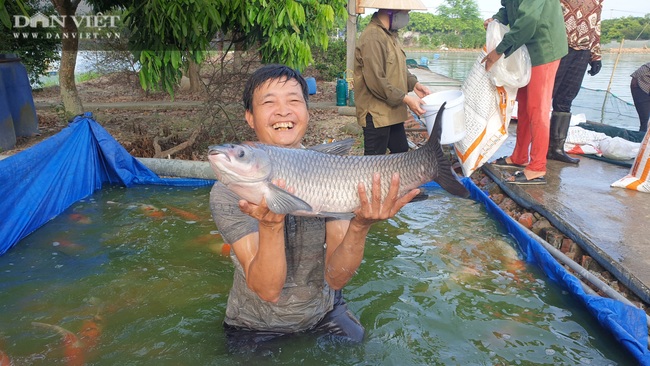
(627, 323)
(39, 183)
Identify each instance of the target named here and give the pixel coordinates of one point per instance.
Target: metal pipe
(179, 168)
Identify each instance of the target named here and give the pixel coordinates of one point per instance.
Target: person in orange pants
(533, 122)
(540, 26)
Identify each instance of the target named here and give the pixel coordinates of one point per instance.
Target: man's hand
(595, 67)
(490, 59)
(376, 210)
(421, 90)
(261, 212)
(486, 22)
(415, 104)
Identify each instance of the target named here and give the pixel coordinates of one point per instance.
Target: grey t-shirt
(306, 296)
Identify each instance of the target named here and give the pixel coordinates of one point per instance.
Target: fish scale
(325, 184)
(329, 182)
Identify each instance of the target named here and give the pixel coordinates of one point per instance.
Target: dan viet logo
(94, 26)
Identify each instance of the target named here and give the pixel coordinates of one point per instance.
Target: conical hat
(394, 4)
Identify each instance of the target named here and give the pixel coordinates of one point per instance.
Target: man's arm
(262, 253)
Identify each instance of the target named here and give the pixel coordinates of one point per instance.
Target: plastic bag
(619, 149)
(512, 71)
(638, 179)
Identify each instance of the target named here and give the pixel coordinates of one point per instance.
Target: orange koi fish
(185, 215)
(225, 249)
(90, 332)
(4, 359)
(72, 347)
(80, 219)
(152, 211)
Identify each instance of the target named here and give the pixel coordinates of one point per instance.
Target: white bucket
(453, 117)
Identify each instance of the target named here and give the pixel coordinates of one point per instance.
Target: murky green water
(138, 276)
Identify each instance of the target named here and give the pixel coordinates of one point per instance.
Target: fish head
(239, 163)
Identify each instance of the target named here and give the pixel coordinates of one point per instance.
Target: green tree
(167, 35)
(331, 63)
(457, 24)
(362, 22)
(462, 15)
(625, 28)
(427, 23)
(69, 48)
(6, 13)
(36, 50)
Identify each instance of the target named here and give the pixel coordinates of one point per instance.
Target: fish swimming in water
(4, 359)
(72, 347)
(325, 184)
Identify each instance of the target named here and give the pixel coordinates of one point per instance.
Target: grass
(53, 80)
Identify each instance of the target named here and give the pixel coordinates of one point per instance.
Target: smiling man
(289, 270)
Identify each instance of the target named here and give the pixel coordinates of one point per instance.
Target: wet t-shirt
(305, 298)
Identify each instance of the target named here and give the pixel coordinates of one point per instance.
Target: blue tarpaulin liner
(41, 182)
(627, 323)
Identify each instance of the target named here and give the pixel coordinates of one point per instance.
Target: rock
(590, 264)
(484, 181)
(508, 204)
(526, 219)
(576, 251)
(497, 198)
(566, 245)
(492, 189)
(554, 237)
(540, 225)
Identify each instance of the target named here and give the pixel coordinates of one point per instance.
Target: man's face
(280, 114)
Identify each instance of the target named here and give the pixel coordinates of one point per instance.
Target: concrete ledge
(348, 111)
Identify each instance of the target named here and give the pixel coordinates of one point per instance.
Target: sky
(611, 8)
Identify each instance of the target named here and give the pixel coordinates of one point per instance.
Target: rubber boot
(559, 129)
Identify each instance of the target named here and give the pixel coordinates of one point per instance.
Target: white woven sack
(488, 110)
(581, 136)
(639, 177)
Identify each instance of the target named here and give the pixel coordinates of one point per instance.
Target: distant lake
(457, 65)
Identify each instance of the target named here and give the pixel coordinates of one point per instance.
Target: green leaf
(4, 15)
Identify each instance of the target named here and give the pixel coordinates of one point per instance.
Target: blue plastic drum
(7, 133)
(18, 97)
(311, 85)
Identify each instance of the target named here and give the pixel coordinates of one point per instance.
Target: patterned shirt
(642, 76)
(582, 21)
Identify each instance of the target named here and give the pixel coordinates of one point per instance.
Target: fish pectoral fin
(283, 202)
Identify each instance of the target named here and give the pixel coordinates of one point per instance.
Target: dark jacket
(381, 78)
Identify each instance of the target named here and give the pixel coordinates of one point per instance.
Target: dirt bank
(141, 120)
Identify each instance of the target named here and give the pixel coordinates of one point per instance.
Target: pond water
(613, 77)
(139, 275)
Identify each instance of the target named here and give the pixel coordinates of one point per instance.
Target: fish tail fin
(445, 176)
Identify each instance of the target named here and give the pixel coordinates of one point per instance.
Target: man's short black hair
(271, 72)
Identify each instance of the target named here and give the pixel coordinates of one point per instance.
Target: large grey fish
(325, 184)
